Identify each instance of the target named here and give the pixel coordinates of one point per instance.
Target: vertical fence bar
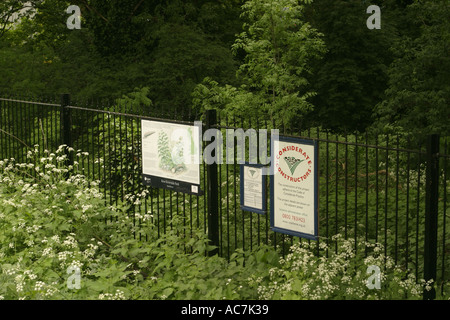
(116, 155)
(234, 191)
(386, 193)
(356, 192)
(2, 135)
(444, 218)
(221, 239)
(376, 188)
(8, 129)
(213, 187)
(431, 214)
(367, 192)
(14, 132)
(21, 132)
(396, 197)
(336, 193)
(66, 122)
(228, 201)
(407, 207)
(346, 187)
(327, 175)
(418, 211)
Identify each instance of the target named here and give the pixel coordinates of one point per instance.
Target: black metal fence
(388, 189)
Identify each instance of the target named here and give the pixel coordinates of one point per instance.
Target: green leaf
(167, 292)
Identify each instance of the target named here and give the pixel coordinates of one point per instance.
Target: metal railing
(387, 189)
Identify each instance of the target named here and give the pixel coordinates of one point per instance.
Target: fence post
(431, 214)
(213, 192)
(66, 123)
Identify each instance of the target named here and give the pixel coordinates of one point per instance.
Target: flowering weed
(53, 220)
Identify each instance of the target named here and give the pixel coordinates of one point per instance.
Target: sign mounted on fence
(171, 156)
(253, 188)
(294, 187)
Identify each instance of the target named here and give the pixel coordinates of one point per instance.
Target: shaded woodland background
(332, 71)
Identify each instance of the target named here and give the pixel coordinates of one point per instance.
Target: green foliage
(299, 64)
(340, 275)
(168, 47)
(50, 223)
(417, 98)
(12, 11)
(351, 77)
(278, 48)
(53, 218)
(118, 143)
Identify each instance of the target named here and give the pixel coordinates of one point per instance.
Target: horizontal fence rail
(372, 188)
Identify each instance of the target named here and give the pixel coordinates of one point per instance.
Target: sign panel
(171, 156)
(294, 187)
(253, 188)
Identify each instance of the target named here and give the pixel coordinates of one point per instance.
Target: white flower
(47, 252)
(86, 207)
(19, 287)
(119, 295)
(39, 285)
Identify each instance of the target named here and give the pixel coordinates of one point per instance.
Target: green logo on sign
(292, 163)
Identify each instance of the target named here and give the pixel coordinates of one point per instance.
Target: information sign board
(253, 188)
(294, 187)
(171, 156)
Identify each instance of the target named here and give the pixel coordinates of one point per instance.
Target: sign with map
(294, 187)
(171, 156)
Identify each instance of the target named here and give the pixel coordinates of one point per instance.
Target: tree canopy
(418, 89)
(299, 63)
(277, 47)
